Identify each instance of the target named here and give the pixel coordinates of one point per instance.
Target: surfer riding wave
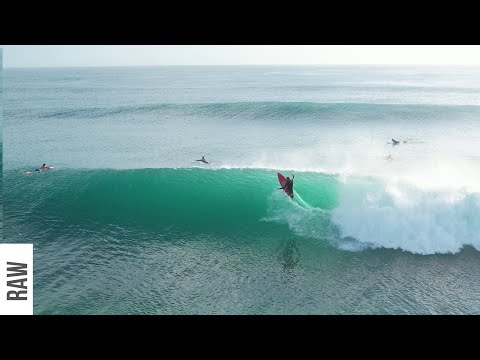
(287, 186)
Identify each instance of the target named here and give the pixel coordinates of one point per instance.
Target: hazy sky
(126, 55)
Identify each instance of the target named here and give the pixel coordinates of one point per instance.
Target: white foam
(402, 216)
(307, 221)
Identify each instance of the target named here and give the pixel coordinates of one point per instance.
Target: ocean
(128, 222)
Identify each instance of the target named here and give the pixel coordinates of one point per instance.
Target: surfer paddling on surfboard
(42, 168)
(203, 160)
(286, 184)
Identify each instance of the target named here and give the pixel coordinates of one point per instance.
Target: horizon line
(165, 65)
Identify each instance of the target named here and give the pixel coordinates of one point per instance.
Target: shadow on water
(289, 255)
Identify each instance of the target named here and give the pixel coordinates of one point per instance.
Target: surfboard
(283, 181)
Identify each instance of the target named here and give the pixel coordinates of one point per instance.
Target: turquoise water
(129, 223)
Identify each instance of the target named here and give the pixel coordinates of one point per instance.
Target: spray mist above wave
(440, 174)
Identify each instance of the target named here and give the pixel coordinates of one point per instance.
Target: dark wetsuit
(289, 187)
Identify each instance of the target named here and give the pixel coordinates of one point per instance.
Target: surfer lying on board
(203, 160)
(288, 186)
(44, 167)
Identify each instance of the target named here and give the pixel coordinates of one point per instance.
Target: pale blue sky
(131, 55)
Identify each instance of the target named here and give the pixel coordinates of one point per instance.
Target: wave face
(351, 214)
